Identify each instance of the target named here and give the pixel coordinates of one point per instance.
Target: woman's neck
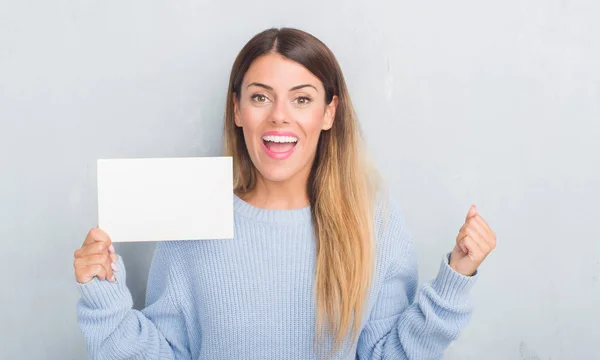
(286, 195)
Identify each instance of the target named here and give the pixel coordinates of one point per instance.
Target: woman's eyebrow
(260, 85)
(297, 87)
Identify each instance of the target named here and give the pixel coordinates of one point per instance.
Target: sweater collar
(248, 211)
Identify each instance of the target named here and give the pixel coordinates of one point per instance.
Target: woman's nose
(279, 114)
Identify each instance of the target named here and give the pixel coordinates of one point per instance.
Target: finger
(474, 251)
(462, 248)
(477, 240)
(472, 212)
(460, 245)
(473, 218)
(87, 273)
(96, 253)
(484, 223)
(463, 230)
(97, 235)
(489, 236)
(103, 260)
(475, 223)
(93, 259)
(480, 239)
(98, 248)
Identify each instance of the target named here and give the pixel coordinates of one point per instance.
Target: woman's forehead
(280, 73)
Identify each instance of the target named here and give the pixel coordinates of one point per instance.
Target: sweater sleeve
(114, 330)
(404, 328)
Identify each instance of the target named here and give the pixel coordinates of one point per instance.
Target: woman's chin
(275, 173)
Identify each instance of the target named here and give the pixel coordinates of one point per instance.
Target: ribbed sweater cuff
(103, 294)
(452, 286)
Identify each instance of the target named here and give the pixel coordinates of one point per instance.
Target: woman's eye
(303, 100)
(259, 98)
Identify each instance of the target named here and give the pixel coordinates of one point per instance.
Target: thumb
(472, 212)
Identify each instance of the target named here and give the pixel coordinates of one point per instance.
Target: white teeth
(280, 139)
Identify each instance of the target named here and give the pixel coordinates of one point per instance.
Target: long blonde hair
(341, 185)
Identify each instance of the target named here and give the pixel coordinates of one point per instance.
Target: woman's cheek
(311, 123)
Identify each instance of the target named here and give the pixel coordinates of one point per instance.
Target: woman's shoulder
(393, 238)
(389, 214)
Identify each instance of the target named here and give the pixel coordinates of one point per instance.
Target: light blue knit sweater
(252, 297)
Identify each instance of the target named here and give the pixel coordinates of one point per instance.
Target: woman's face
(282, 111)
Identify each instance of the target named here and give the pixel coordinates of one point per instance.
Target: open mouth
(279, 146)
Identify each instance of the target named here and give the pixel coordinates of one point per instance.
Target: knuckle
(96, 269)
(90, 260)
(100, 247)
(87, 272)
(99, 259)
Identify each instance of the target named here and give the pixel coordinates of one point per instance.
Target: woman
(320, 266)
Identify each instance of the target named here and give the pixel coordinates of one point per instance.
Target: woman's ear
(236, 110)
(330, 113)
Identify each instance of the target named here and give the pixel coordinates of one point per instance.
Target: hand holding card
(166, 198)
(155, 200)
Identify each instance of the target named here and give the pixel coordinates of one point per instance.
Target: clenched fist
(474, 242)
(96, 257)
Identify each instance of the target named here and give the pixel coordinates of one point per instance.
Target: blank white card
(166, 198)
